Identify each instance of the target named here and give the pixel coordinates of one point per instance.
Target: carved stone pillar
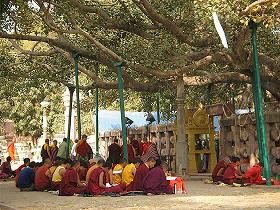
(181, 143)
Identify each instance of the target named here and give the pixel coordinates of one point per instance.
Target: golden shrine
(200, 137)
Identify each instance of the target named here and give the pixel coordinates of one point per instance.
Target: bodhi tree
(163, 44)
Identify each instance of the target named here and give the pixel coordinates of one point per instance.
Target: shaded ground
(200, 196)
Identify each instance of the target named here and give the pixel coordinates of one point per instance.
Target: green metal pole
(120, 88)
(257, 119)
(71, 92)
(259, 105)
(96, 115)
(76, 58)
(158, 113)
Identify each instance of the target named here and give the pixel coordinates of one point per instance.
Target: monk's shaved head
(47, 161)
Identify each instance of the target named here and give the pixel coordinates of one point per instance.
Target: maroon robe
(230, 174)
(130, 152)
(95, 189)
(137, 183)
(53, 151)
(115, 153)
(220, 165)
(253, 175)
(84, 149)
(155, 182)
(68, 184)
(42, 182)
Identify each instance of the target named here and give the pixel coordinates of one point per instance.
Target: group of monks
(228, 171)
(101, 177)
(143, 171)
(79, 150)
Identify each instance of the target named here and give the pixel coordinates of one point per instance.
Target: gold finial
(200, 106)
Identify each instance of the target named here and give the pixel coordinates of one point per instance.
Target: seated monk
(141, 172)
(42, 180)
(58, 174)
(117, 171)
(26, 178)
(218, 171)
(253, 175)
(231, 174)
(52, 169)
(82, 171)
(99, 163)
(70, 183)
(155, 182)
(26, 162)
(97, 181)
(6, 167)
(130, 170)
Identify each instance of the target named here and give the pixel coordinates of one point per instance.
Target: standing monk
(130, 151)
(97, 181)
(42, 180)
(53, 150)
(141, 172)
(70, 183)
(145, 146)
(11, 150)
(62, 151)
(84, 151)
(114, 152)
(45, 151)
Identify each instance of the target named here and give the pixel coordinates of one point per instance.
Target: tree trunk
(181, 143)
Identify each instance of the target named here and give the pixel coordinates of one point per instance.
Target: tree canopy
(157, 41)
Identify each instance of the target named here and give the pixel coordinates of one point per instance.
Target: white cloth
(73, 151)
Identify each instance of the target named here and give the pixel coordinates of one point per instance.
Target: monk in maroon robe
(145, 145)
(97, 181)
(155, 182)
(115, 152)
(218, 171)
(130, 152)
(253, 175)
(70, 183)
(42, 180)
(141, 172)
(83, 149)
(231, 174)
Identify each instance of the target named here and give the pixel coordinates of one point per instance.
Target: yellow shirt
(117, 178)
(128, 174)
(52, 169)
(56, 175)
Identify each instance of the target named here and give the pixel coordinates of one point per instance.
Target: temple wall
(238, 136)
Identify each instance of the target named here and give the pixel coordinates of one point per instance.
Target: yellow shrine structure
(200, 136)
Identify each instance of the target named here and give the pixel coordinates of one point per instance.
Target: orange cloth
(180, 186)
(11, 150)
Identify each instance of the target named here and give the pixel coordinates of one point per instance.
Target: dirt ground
(199, 196)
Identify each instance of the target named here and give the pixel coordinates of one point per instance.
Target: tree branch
(32, 52)
(172, 27)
